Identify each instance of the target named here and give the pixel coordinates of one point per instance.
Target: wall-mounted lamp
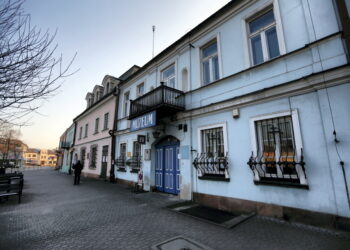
(182, 127)
(156, 134)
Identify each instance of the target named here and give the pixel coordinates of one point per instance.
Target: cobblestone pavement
(55, 214)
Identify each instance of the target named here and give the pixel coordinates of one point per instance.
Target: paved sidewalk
(55, 214)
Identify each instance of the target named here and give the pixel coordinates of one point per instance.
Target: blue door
(167, 168)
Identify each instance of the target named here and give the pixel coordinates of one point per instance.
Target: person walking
(77, 171)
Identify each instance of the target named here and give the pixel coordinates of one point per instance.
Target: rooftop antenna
(153, 30)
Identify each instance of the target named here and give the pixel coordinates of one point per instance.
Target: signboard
(144, 121)
(141, 139)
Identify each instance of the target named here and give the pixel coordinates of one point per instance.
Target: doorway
(167, 169)
(104, 162)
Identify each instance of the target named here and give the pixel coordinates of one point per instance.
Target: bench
(11, 184)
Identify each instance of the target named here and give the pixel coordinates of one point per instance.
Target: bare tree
(29, 68)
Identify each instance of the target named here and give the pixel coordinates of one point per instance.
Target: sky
(109, 36)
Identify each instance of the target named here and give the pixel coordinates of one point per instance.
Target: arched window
(184, 80)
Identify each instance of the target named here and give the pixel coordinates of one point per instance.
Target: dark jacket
(77, 167)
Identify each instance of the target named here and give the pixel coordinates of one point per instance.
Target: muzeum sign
(144, 121)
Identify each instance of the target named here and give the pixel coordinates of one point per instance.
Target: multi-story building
(48, 158)
(32, 157)
(66, 149)
(246, 112)
(92, 143)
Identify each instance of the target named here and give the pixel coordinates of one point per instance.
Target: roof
(95, 104)
(129, 72)
(33, 150)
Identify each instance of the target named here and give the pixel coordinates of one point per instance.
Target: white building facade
(92, 143)
(246, 112)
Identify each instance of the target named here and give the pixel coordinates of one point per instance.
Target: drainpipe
(113, 137)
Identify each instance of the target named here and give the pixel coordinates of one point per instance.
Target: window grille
(93, 157)
(276, 159)
(121, 160)
(212, 163)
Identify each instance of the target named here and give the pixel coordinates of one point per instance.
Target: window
(122, 151)
(86, 130)
(211, 162)
(263, 40)
(168, 76)
(80, 132)
(93, 156)
(97, 96)
(213, 141)
(136, 149)
(140, 89)
(105, 122)
(277, 154)
(135, 161)
(126, 103)
(97, 121)
(121, 160)
(210, 63)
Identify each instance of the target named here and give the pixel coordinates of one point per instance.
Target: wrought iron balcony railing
(212, 166)
(134, 163)
(286, 171)
(162, 97)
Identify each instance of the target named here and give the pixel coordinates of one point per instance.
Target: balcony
(165, 100)
(65, 145)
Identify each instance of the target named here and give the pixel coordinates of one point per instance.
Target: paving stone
(55, 214)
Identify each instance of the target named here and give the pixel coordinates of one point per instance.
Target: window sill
(95, 133)
(105, 129)
(92, 168)
(214, 178)
(281, 182)
(121, 170)
(134, 170)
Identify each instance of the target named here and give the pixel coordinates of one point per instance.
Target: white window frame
(217, 125)
(166, 81)
(138, 87)
(105, 123)
(81, 132)
(274, 5)
(86, 130)
(297, 138)
(199, 137)
(126, 104)
(133, 148)
(126, 148)
(210, 41)
(97, 124)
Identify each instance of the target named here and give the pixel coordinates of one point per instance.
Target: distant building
(32, 157)
(66, 150)
(40, 157)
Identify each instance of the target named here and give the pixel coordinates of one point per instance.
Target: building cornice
(306, 84)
